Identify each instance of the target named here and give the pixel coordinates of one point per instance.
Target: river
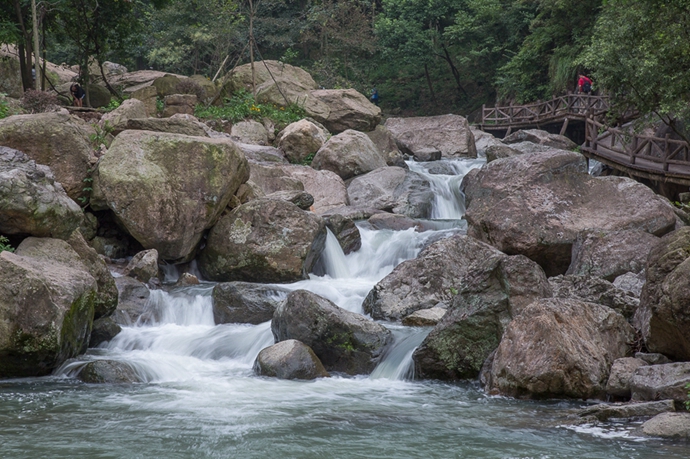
(202, 400)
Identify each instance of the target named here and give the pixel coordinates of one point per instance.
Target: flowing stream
(202, 400)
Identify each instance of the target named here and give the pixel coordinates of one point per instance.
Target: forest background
(425, 57)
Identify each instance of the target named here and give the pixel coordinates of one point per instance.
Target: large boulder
(149, 96)
(327, 188)
(659, 382)
(493, 290)
(55, 140)
(143, 266)
(541, 138)
(392, 189)
(167, 189)
(179, 104)
(301, 139)
(273, 80)
(595, 290)
(348, 154)
(129, 109)
(99, 96)
(76, 253)
(31, 202)
(385, 142)
(347, 109)
(537, 204)
(559, 348)
(270, 178)
(46, 312)
(250, 131)
(344, 341)
(449, 133)
(609, 254)
(264, 240)
(431, 279)
(289, 359)
(665, 302)
(262, 154)
(345, 231)
(245, 302)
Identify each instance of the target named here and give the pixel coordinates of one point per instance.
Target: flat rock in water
(667, 381)
(245, 302)
(605, 411)
(108, 372)
(668, 425)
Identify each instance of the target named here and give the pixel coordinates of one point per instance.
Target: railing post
(666, 152)
(483, 112)
(633, 149)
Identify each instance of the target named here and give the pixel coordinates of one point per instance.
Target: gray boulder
(493, 290)
(167, 189)
(262, 154)
(251, 132)
(348, 154)
(301, 199)
(664, 313)
(631, 283)
(46, 311)
(451, 134)
(289, 359)
(621, 375)
(104, 329)
(560, 348)
(179, 104)
(31, 202)
(652, 358)
(427, 154)
(431, 279)
(540, 137)
(595, 290)
(658, 382)
(264, 240)
(609, 254)
(500, 151)
(425, 317)
(270, 178)
(392, 189)
(347, 109)
(327, 188)
(301, 139)
(668, 425)
(56, 140)
(244, 302)
(117, 119)
(344, 341)
(108, 372)
(143, 266)
(537, 204)
(385, 142)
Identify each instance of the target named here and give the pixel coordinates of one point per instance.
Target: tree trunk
(428, 82)
(24, 50)
(454, 70)
(37, 47)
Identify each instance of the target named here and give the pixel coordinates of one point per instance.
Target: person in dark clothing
(375, 96)
(78, 95)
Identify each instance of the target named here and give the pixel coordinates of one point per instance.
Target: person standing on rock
(375, 96)
(584, 85)
(78, 95)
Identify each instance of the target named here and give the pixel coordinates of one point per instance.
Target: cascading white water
(204, 401)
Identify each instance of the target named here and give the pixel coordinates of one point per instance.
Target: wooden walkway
(654, 158)
(572, 106)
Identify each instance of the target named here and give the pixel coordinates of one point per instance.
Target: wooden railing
(559, 108)
(662, 152)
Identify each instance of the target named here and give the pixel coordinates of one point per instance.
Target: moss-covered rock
(167, 189)
(46, 312)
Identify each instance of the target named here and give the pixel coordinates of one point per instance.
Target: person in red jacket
(584, 85)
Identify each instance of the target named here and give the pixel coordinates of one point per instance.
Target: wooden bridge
(660, 160)
(560, 109)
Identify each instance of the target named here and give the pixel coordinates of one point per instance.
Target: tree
(640, 54)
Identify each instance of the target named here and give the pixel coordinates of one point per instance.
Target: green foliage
(114, 103)
(640, 54)
(4, 107)
(5, 245)
(242, 106)
(308, 159)
(101, 135)
(160, 105)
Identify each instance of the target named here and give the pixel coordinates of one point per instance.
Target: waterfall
(397, 363)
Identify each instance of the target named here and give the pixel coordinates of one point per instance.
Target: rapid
(201, 398)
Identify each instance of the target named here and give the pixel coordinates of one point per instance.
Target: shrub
(4, 107)
(242, 106)
(5, 245)
(38, 101)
